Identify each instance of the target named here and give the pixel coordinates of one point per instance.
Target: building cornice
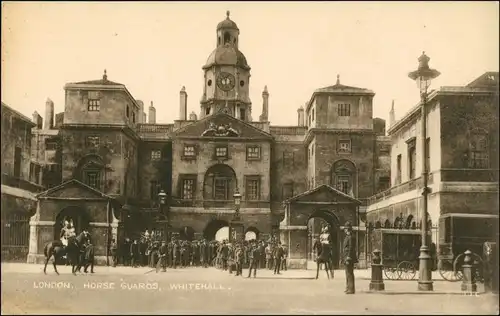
(313, 131)
(368, 93)
(121, 127)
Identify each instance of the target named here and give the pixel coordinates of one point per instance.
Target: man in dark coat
(204, 253)
(350, 258)
(163, 255)
(134, 253)
(254, 255)
(278, 256)
(175, 253)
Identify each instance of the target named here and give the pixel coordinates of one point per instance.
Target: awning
(17, 192)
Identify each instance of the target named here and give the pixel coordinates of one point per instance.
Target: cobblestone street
(25, 289)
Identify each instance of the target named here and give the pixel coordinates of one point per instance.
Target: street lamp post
(162, 197)
(423, 76)
(236, 225)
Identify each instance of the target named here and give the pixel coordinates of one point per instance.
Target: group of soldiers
(177, 253)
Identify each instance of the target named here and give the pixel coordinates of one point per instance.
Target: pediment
(73, 189)
(221, 125)
(324, 193)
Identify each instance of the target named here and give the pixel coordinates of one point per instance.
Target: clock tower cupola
(227, 76)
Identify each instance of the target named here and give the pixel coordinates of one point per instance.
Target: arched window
(478, 156)
(220, 183)
(91, 171)
(227, 38)
(387, 224)
(344, 176)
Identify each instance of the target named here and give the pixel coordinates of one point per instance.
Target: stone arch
(220, 183)
(186, 233)
(378, 224)
(81, 220)
(334, 224)
(213, 227)
(227, 38)
(344, 176)
(387, 223)
(252, 232)
(91, 171)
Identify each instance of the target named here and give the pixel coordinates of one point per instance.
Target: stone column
(297, 249)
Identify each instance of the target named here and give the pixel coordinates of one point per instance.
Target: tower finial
(338, 79)
(227, 14)
(105, 76)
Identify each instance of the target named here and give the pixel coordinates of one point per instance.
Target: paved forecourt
(25, 289)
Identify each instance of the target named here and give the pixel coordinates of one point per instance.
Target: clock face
(225, 81)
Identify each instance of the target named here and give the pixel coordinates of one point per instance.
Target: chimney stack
(141, 111)
(392, 115)
(193, 117)
(300, 116)
(264, 117)
(152, 114)
(37, 119)
(49, 114)
(183, 104)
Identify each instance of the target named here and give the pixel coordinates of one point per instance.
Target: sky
(155, 48)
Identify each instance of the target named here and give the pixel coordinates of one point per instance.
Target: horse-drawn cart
(399, 251)
(461, 232)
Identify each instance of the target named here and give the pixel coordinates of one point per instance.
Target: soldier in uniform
(163, 255)
(114, 252)
(126, 252)
(268, 256)
(350, 258)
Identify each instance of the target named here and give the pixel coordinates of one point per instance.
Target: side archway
(251, 233)
(331, 221)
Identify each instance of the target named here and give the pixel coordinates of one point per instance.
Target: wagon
(458, 233)
(399, 251)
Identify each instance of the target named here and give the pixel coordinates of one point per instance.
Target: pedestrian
(285, 255)
(278, 257)
(134, 253)
(239, 260)
(350, 258)
(163, 255)
(268, 257)
(254, 260)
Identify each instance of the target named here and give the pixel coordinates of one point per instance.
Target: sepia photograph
(334, 158)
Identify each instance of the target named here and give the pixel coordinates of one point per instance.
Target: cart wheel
(406, 270)
(391, 273)
(447, 272)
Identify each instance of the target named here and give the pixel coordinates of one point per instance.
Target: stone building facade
(20, 183)
(463, 168)
(102, 148)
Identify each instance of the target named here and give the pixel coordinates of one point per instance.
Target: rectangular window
(221, 188)
(50, 145)
(17, 162)
(479, 151)
(207, 110)
(128, 111)
(252, 188)
(155, 155)
(92, 179)
(344, 146)
(242, 114)
(187, 189)
(344, 109)
(384, 183)
(398, 170)
(221, 152)
(133, 117)
(154, 190)
(287, 191)
(343, 184)
(312, 117)
(412, 159)
(253, 152)
(94, 105)
(93, 141)
(189, 151)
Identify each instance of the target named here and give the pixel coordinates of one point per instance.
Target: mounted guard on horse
(324, 253)
(67, 232)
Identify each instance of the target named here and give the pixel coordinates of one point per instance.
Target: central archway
(216, 228)
(79, 217)
(316, 221)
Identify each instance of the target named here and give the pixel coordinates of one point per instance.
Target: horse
(324, 257)
(57, 250)
(86, 259)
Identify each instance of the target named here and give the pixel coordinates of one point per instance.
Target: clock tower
(227, 76)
